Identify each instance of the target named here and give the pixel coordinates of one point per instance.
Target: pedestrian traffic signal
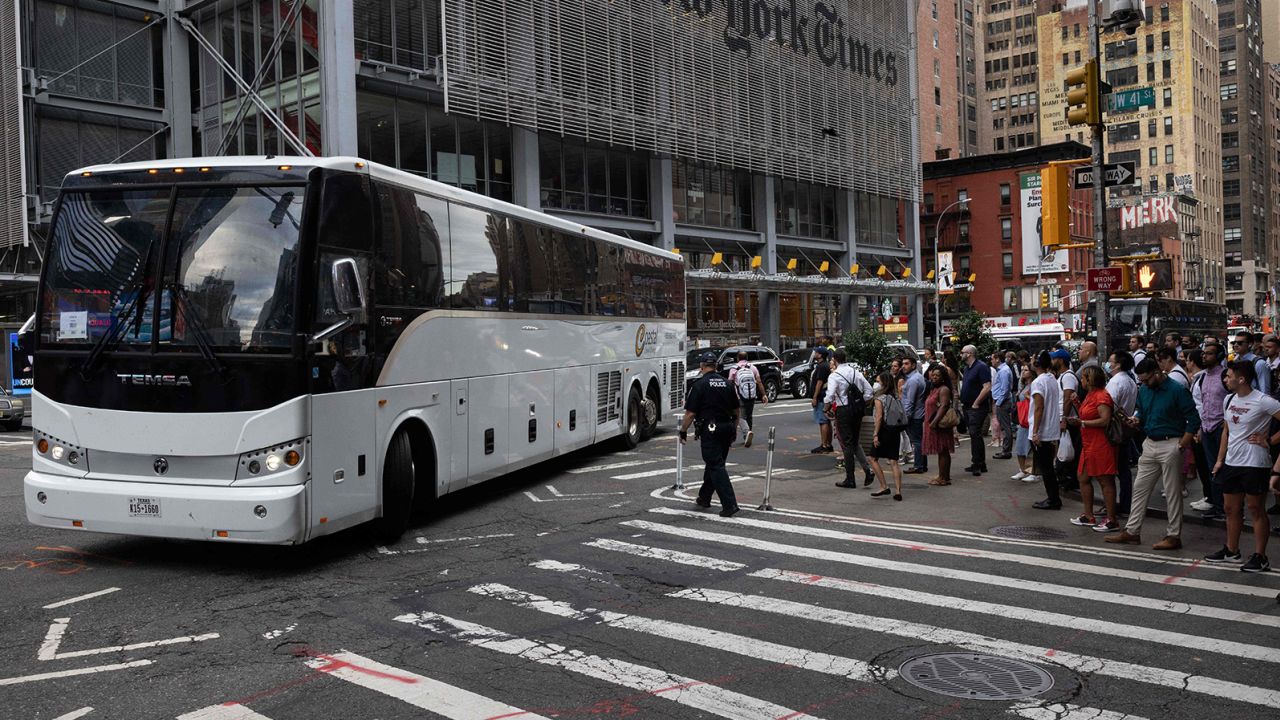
(1083, 101)
(1153, 275)
(1055, 208)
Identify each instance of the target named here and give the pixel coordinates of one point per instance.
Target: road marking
(674, 556)
(1064, 711)
(428, 541)
(617, 465)
(693, 693)
(1223, 689)
(728, 642)
(934, 571)
(75, 714)
(53, 640)
(1003, 557)
(78, 598)
(72, 673)
(1060, 620)
(273, 634)
(417, 690)
(552, 489)
(225, 711)
(664, 471)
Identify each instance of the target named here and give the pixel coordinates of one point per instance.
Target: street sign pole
(1099, 187)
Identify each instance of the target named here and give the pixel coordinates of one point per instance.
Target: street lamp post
(937, 272)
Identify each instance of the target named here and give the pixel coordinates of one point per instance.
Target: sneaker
(1257, 563)
(750, 436)
(1031, 479)
(1018, 475)
(1084, 521)
(1108, 525)
(1224, 555)
(840, 464)
(1201, 505)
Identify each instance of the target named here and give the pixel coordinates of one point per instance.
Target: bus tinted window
(480, 277)
(410, 270)
(346, 217)
(651, 288)
(530, 267)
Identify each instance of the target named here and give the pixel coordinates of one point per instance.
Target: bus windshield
(226, 259)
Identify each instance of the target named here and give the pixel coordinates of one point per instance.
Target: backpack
(856, 391)
(744, 380)
(895, 416)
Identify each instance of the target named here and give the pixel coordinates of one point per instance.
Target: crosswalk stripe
(674, 556)
(934, 571)
(728, 642)
(664, 471)
(1061, 620)
(1065, 711)
(620, 465)
(658, 683)
(987, 538)
(225, 711)
(1003, 557)
(417, 690)
(1223, 689)
(75, 714)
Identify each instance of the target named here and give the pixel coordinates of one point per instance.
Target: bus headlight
(268, 460)
(60, 451)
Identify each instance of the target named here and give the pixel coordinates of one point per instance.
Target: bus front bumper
(266, 515)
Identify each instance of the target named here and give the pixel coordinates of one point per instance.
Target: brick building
(995, 236)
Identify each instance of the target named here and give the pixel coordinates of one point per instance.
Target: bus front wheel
(397, 490)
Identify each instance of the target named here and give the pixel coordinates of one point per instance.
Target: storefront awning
(811, 284)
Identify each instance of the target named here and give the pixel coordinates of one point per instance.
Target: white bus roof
(1026, 330)
(355, 164)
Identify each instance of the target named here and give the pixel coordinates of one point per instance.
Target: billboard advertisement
(21, 378)
(1033, 258)
(945, 276)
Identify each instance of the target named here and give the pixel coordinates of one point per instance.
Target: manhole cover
(977, 677)
(1028, 532)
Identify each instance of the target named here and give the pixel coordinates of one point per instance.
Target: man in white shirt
(1138, 349)
(1045, 428)
(1167, 358)
(1243, 459)
(846, 401)
(1123, 390)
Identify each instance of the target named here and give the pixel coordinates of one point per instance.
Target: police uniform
(714, 403)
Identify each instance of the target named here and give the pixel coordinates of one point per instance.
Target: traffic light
(1083, 101)
(1055, 212)
(1153, 275)
(1044, 298)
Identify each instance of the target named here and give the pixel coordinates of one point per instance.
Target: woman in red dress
(939, 441)
(1098, 455)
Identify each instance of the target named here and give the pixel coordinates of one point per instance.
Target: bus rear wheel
(635, 419)
(649, 418)
(398, 479)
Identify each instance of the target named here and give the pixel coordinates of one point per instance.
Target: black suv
(763, 358)
(797, 368)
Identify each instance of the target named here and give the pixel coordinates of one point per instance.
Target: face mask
(877, 388)
(1106, 367)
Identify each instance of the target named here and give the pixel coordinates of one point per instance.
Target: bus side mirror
(348, 293)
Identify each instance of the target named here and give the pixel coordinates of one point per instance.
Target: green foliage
(971, 329)
(868, 349)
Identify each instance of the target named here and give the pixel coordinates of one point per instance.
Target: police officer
(713, 404)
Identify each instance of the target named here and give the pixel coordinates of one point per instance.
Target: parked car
(763, 358)
(797, 369)
(902, 349)
(12, 410)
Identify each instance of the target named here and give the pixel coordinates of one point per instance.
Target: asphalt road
(587, 588)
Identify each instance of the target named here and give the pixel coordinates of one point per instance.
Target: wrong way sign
(1114, 174)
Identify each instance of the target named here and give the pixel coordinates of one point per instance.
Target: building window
(592, 178)
(705, 194)
(1230, 116)
(937, 97)
(1226, 68)
(1230, 139)
(1006, 264)
(1166, 68)
(1151, 44)
(1231, 188)
(1004, 194)
(1228, 91)
(876, 220)
(935, 39)
(1011, 297)
(1232, 235)
(1151, 128)
(1168, 154)
(1231, 211)
(1230, 163)
(805, 209)
(1124, 133)
(1006, 229)
(1153, 157)
(1168, 181)
(1123, 76)
(1164, 40)
(1168, 126)
(1164, 13)
(1168, 97)
(1151, 72)
(999, 144)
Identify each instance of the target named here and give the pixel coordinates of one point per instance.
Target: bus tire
(652, 406)
(631, 429)
(398, 479)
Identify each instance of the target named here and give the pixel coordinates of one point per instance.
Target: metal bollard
(679, 466)
(768, 471)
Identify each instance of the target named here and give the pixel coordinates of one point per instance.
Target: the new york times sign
(802, 27)
(811, 90)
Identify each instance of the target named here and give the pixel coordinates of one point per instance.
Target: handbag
(1024, 413)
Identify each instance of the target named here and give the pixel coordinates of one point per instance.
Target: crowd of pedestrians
(1149, 419)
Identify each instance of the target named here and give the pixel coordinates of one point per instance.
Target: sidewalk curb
(1162, 514)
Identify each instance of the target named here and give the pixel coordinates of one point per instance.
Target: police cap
(708, 358)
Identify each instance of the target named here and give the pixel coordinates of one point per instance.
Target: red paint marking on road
(998, 512)
(336, 664)
(1014, 502)
(942, 712)
(1063, 646)
(82, 553)
(269, 692)
(1179, 575)
(919, 547)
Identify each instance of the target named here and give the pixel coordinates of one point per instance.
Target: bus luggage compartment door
(345, 466)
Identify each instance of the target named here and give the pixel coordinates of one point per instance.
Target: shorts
(820, 417)
(1243, 480)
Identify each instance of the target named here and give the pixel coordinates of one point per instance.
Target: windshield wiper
(203, 342)
(134, 307)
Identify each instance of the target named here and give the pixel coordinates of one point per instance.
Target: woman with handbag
(1022, 444)
(940, 420)
(1097, 454)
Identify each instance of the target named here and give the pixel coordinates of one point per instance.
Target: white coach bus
(270, 350)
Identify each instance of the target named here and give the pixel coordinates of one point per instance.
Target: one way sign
(1115, 173)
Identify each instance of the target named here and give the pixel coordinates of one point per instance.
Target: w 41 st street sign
(1114, 174)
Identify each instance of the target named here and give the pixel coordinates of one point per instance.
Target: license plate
(144, 507)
